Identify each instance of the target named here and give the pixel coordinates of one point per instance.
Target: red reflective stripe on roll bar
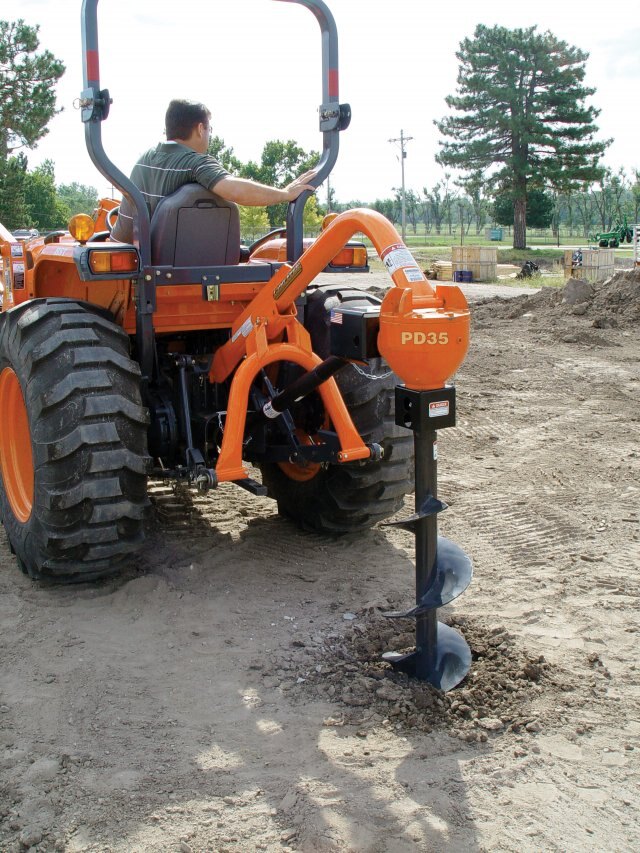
(93, 65)
(333, 82)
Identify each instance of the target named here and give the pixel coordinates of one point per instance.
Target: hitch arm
(275, 302)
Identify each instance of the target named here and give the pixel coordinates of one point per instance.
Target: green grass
(519, 256)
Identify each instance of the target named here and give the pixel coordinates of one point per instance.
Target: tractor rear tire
(349, 497)
(73, 455)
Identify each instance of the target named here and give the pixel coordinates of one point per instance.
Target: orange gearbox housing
(424, 333)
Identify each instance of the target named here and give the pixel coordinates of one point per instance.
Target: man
(182, 159)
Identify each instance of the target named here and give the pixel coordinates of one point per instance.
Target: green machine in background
(612, 239)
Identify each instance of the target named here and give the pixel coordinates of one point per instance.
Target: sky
(257, 65)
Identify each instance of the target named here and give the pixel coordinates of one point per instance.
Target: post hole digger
(178, 357)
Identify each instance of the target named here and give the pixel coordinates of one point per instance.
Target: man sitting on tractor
(183, 159)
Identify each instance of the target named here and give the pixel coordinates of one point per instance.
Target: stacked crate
(589, 264)
(482, 261)
(443, 270)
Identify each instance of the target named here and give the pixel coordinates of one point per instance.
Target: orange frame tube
(278, 296)
(273, 312)
(230, 465)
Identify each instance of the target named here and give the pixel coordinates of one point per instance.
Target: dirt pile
(618, 299)
(347, 669)
(614, 303)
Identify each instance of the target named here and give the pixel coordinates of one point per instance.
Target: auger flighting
(424, 335)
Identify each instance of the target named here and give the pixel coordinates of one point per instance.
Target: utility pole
(403, 140)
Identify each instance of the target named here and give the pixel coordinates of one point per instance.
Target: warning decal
(398, 257)
(439, 409)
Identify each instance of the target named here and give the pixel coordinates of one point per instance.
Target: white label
(439, 409)
(244, 330)
(398, 257)
(413, 274)
(435, 449)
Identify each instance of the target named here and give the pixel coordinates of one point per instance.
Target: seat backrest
(194, 227)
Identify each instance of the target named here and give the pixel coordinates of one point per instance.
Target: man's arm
(253, 194)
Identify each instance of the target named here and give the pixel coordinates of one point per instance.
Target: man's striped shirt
(161, 171)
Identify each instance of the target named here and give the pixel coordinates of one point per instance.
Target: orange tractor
(181, 357)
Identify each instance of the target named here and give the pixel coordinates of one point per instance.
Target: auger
(424, 336)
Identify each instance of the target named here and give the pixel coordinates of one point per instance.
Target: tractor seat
(193, 227)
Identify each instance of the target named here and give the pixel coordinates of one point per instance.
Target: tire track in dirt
(528, 531)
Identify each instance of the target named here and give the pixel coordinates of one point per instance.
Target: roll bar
(95, 103)
(334, 117)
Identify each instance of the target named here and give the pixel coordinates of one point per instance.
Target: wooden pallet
(597, 264)
(482, 261)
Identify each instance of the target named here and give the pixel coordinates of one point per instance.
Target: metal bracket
(425, 410)
(334, 116)
(94, 104)
(329, 116)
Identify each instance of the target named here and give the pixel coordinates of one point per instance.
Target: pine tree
(27, 87)
(522, 115)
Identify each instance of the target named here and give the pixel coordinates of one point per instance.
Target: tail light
(104, 262)
(350, 256)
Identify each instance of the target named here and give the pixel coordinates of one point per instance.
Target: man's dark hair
(183, 116)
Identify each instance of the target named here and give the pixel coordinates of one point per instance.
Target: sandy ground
(226, 694)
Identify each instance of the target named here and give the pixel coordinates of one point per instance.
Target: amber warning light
(351, 256)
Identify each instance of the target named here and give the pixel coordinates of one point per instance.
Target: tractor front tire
(73, 447)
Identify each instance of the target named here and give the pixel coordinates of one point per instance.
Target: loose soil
(226, 693)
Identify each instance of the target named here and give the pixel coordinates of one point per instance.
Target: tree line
(32, 199)
(449, 207)
(520, 136)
